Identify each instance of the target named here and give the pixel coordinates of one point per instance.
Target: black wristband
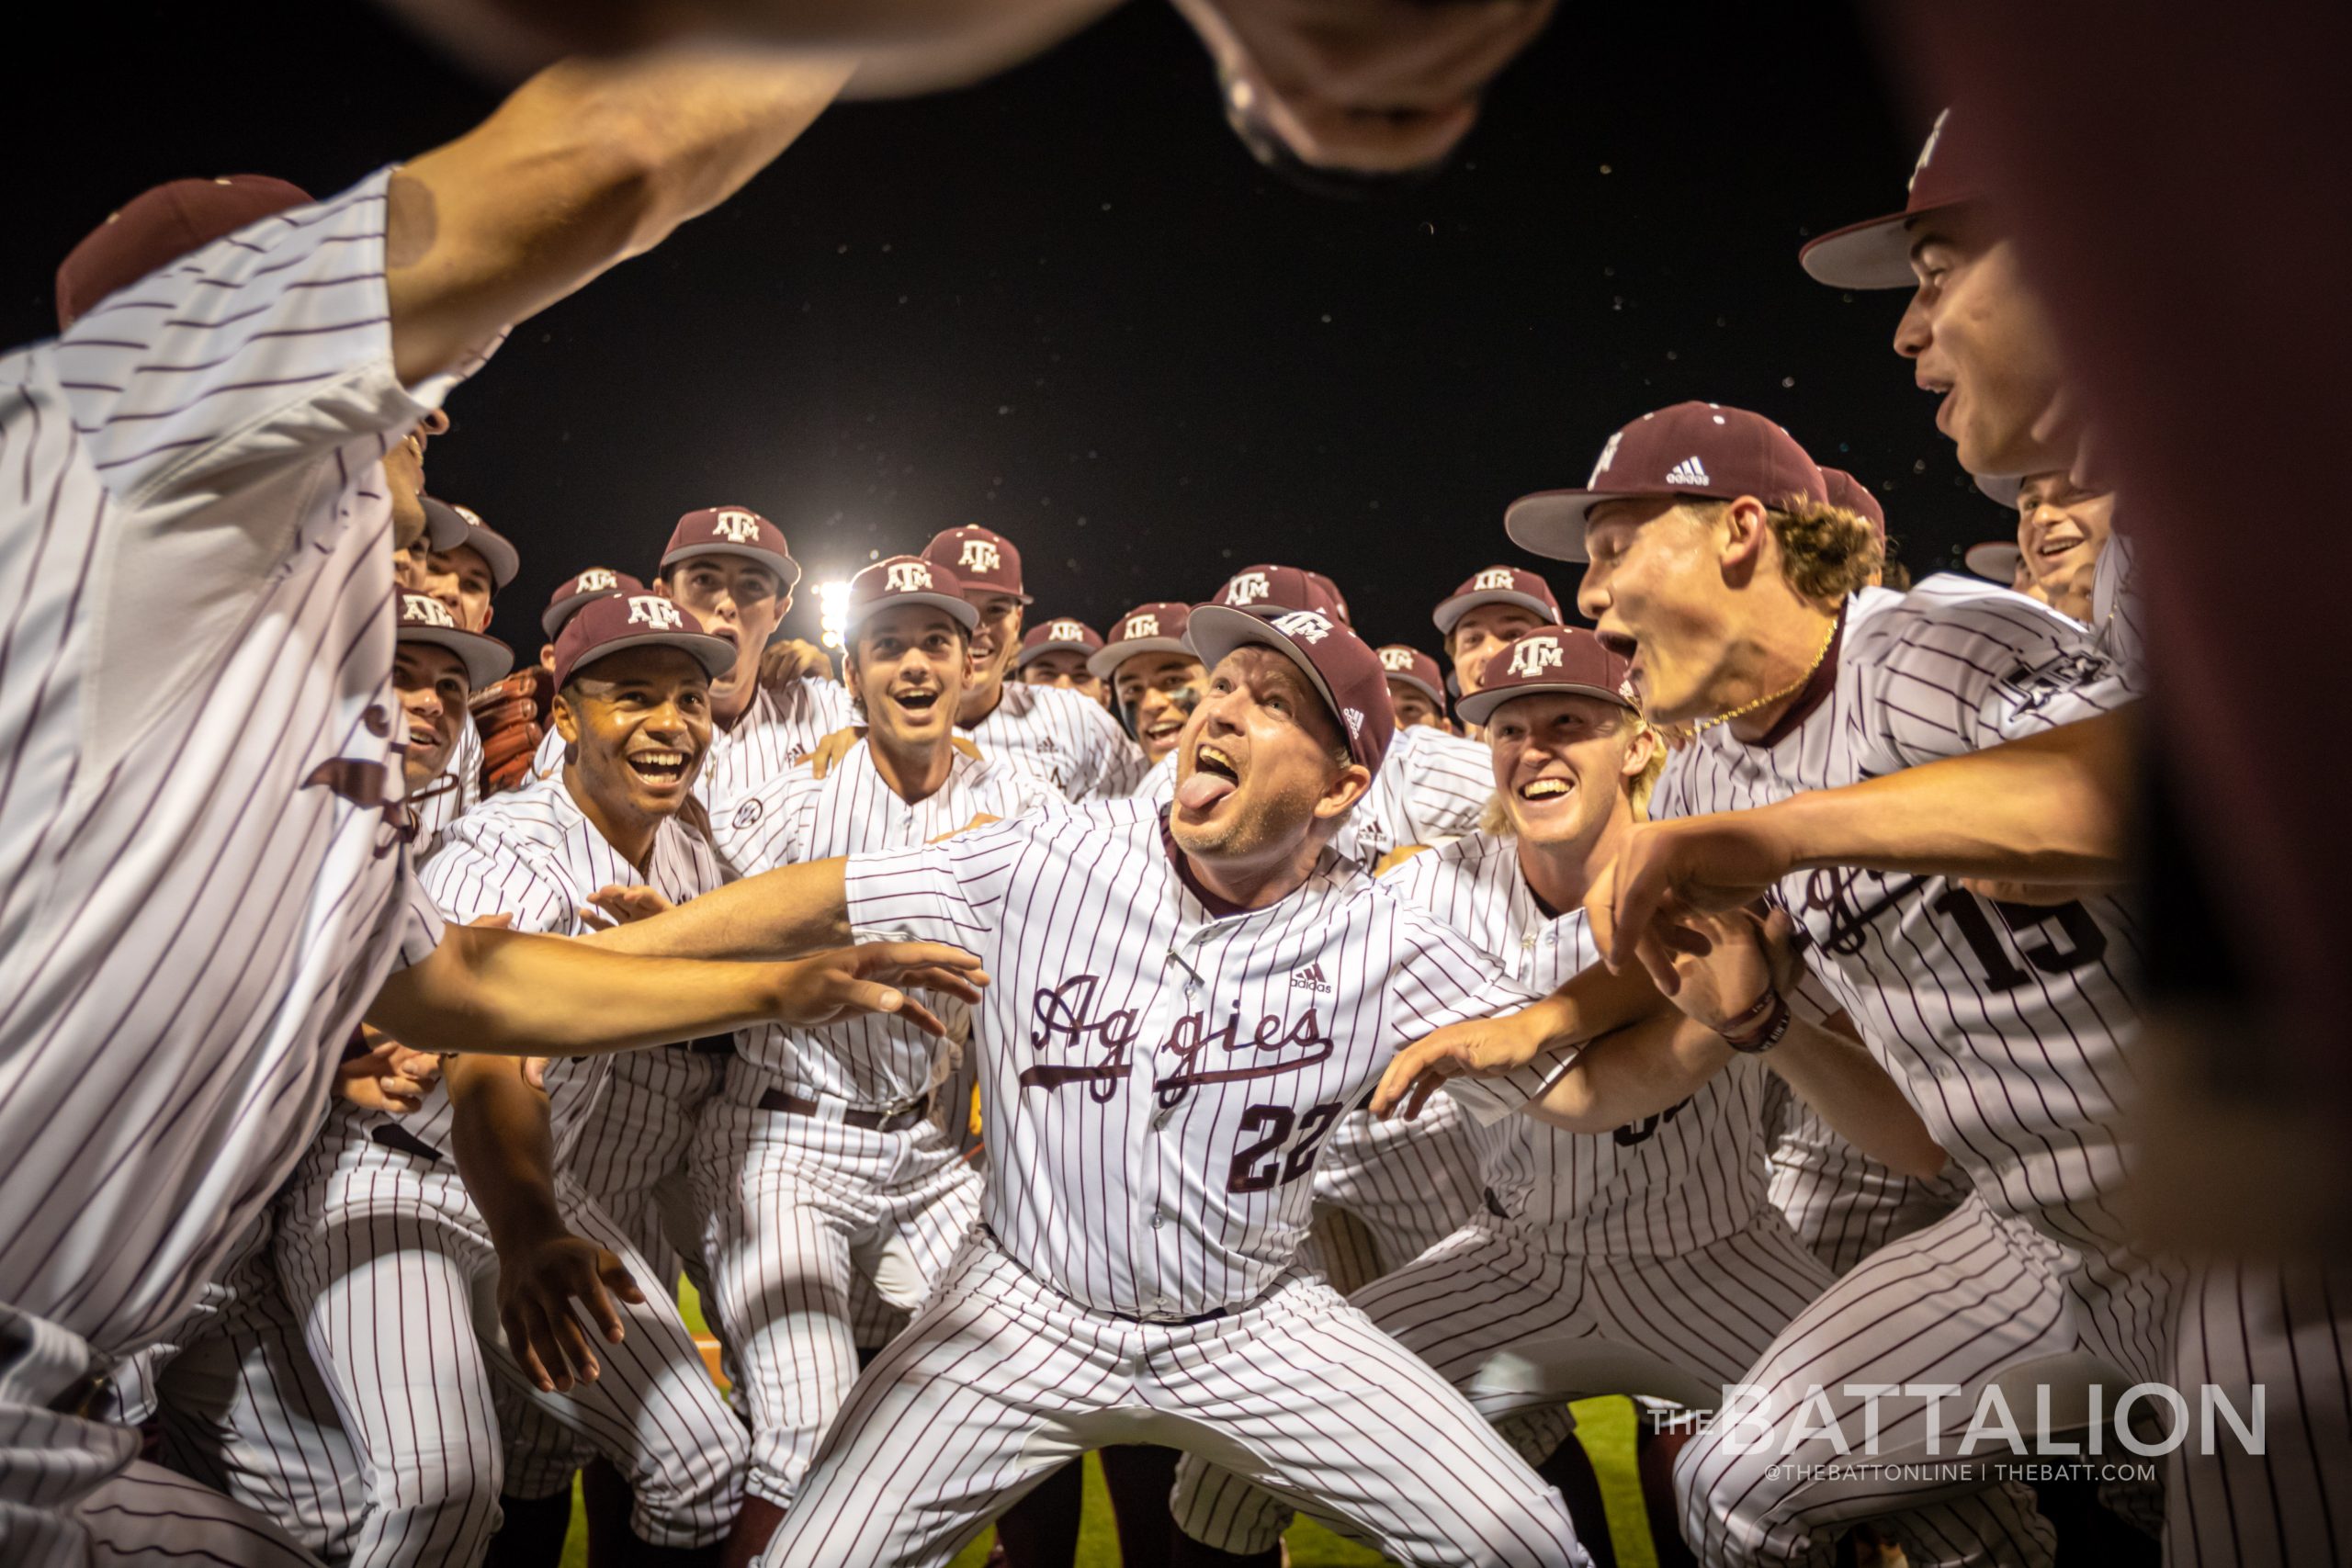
(1766, 1034)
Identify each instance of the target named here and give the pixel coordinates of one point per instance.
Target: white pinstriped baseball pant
(1411, 1181)
(1842, 1203)
(999, 1381)
(1703, 1315)
(800, 1211)
(1953, 1305)
(390, 1264)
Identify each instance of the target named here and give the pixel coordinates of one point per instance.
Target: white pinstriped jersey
(1426, 791)
(777, 729)
(2005, 1024)
(1159, 1070)
(533, 854)
(1665, 1184)
(457, 791)
(2116, 612)
(873, 1061)
(201, 885)
(1066, 737)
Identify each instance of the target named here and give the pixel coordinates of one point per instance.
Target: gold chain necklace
(1701, 726)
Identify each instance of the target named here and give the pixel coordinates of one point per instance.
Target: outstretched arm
(587, 163)
(498, 1129)
(777, 914)
(1585, 1008)
(1835, 1073)
(507, 994)
(2051, 807)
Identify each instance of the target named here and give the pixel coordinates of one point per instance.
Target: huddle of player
(1367, 1059)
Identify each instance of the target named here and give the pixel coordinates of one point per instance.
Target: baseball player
(1654, 1236)
(2063, 529)
(1491, 607)
(1153, 677)
(2005, 1024)
(824, 1158)
(226, 440)
(467, 576)
(396, 1218)
(438, 665)
(1056, 654)
(1415, 687)
(1185, 1001)
(1059, 735)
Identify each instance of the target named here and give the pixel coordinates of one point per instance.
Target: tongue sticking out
(1203, 791)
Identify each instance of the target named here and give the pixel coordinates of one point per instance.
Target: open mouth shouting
(1216, 774)
(918, 702)
(1549, 788)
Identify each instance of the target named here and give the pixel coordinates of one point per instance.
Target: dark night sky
(1067, 305)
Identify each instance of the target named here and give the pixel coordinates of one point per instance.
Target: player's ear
(1347, 787)
(849, 672)
(566, 723)
(1742, 527)
(1640, 749)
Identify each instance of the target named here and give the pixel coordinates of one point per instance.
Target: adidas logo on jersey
(1690, 471)
(1310, 979)
(979, 554)
(735, 528)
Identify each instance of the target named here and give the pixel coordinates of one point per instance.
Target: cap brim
(714, 654)
(1874, 253)
(2002, 487)
(1420, 685)
(444, 528)
(1995, 562)
(1480, 704)
(784, 566)
(1035, 651)
(505, 561)
(956, 604)
(1102, 663)
(1453, 609)
(486, 658)
(1216, 631)
(552, 618)
(1550, 522)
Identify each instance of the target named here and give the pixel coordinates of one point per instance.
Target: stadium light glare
(833, 606)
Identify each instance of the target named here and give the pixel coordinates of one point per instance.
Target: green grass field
(1605, 1427)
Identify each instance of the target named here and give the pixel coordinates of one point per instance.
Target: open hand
(614, 904)
(538, 1292)
(877, 977)
(1665, 871)
(388, 1077)
(1479, 1047)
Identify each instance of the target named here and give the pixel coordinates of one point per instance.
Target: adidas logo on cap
(1690, 471)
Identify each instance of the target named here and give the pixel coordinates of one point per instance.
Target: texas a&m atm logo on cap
(1500, 579)
(735, 527)
(980, 555)
(655, 612)
(597, 579)
(1303, 626)
(1248, 587)
(908, 577)
(1531, 656)
(1140, 626)
(1397, 660)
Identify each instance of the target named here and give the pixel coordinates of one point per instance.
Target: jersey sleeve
(1447, 781)
(1959, 667)
(418, 920)
(1158, 784)
(471, 875)
(1441, 979)
(267, 349)
(766, 828)
(953, 891)
(1109, 762)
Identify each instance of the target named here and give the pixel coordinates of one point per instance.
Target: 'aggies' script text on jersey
(202, 869)
(1159, 1067)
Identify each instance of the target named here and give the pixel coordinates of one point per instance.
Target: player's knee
(692, 1502)
(1724, 1491)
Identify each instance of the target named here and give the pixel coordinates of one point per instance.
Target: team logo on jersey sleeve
(735, 528)
(748, 814)
(655, 612)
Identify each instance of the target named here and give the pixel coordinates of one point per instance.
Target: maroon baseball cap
(1346, 673)
(1156, 627)
(1850, 494)
(444, 528)
(1996, 560)
(495, 548)
(574, 592)
(1498, 585)
(983, 561)
(1059, 635)
(428, 621)
(1414, 668)
(906, 580)
(1567, 660)
(612, 622)
(1876, 253)
(1711, 450)
(157, 228)
(1269, 590)
(732, 531)
(1331, 592)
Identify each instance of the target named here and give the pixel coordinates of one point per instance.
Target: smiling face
(907, 666)
(1562, 765)
(431, 685)
(996, 642)
(635, 725)
(2061, 528)
(1160, 691)
(1476, 636)
(1261, 765)
(1978, 336)
(741, 599)
(1066, 668)
(461, 580)
(1657, 593)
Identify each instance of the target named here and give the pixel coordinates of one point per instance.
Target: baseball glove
(511, 715)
